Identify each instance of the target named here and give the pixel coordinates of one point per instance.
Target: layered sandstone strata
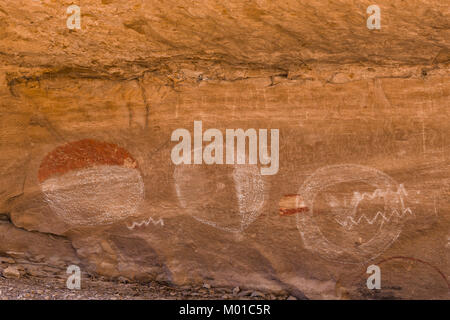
(363, 116)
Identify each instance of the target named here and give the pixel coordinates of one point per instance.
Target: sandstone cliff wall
(86, 117)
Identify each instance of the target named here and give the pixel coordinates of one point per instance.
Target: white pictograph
(205, 196)
(95, 195)
(381, 216)
(249, 192)
(365, 222)
(146, 223)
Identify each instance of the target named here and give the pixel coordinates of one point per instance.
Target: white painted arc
(96, 195)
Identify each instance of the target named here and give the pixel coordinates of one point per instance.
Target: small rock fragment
(207, 286)
(7, 260)
(11, 273)
(245, 293)
(257, 294)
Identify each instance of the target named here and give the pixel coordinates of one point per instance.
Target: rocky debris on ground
(11, 273)
(92, 288)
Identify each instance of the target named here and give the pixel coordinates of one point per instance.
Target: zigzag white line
(349, 222)
(146, 223)
(357, 197)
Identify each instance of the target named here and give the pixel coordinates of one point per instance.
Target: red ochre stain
(83, 154)
(292, 211)
(288, 205)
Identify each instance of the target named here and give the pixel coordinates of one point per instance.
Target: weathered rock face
(363, 178)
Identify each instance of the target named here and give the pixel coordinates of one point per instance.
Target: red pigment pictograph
(292, 204)
(82, 154)
(90, 182)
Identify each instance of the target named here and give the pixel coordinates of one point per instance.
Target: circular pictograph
(226, 197)
(354, 212)
(89, 182)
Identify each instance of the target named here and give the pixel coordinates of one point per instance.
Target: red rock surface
(83, 154)
(364, 124)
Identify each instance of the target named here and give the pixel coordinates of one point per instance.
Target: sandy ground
(31, 288)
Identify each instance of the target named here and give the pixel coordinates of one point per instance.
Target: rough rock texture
(364, 147)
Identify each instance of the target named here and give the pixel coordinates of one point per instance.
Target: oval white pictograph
(88, 182)
(228, 198)
(353, 212)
